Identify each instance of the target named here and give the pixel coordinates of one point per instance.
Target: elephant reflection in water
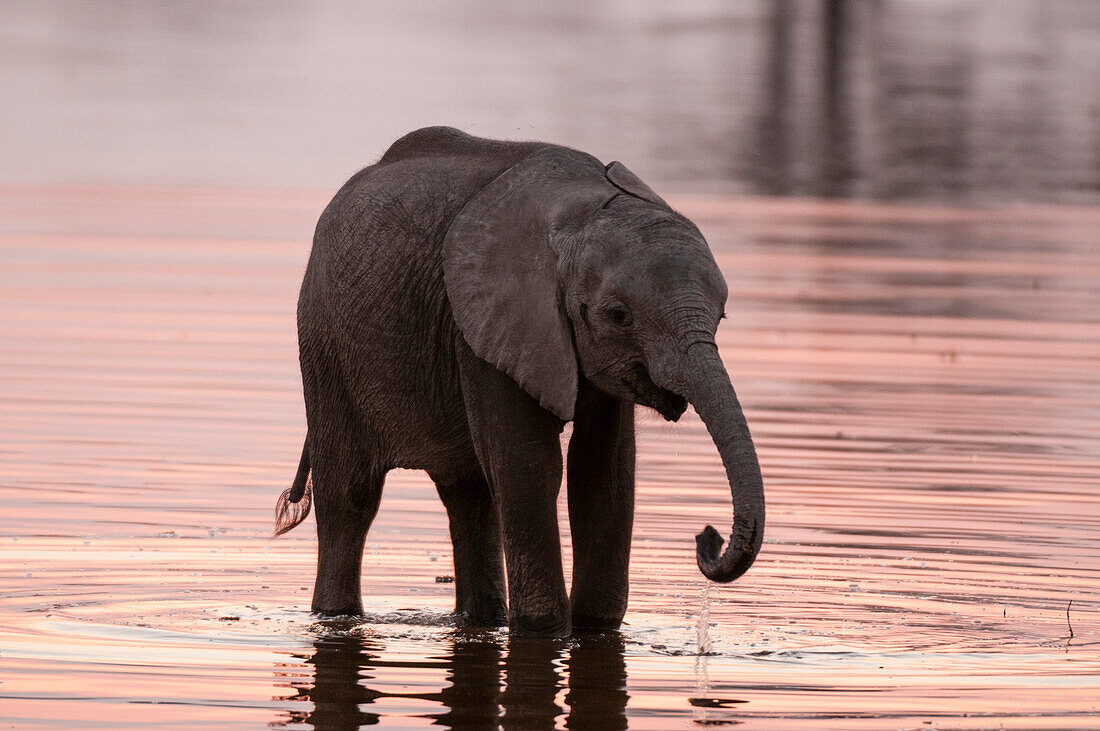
(478, 693)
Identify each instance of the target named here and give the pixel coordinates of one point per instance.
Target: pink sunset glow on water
(902, 196)
(922, 384)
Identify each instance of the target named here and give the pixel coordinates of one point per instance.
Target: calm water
(921, 373)
(922, 383)
(960, 100)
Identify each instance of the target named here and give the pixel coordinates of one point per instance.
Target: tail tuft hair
(289, 513)
(294, 504)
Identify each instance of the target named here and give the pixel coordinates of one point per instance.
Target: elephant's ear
(626, 181)
(501, 271)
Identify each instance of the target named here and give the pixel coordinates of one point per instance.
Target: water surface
(953, 100)
(924, 388)
(922, 378)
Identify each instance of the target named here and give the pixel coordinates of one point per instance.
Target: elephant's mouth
(667, 403)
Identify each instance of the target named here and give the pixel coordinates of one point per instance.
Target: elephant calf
(464, 299)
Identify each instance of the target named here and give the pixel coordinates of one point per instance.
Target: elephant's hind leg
(347, 477)
(346, 495)
(480, 598)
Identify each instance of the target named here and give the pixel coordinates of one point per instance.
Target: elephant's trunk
(707, 387)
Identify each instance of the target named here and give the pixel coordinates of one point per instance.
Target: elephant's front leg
(479, 565)
(601, 507)
(517, 443)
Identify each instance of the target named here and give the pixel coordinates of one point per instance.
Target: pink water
(924, 388)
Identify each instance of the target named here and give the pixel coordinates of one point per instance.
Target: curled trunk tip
(715, 565)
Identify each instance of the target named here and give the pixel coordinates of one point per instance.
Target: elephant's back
(442, 142)
(385, 227)
(374, 295)
(378, 244)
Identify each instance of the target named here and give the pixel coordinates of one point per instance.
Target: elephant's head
(562, 268)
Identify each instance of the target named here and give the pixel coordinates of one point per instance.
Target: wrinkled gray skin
(465, 298)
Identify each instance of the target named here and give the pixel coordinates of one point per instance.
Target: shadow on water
(512, 681)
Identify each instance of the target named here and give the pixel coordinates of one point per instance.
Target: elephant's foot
(334, 609)
(588, 623)
(482, 611)
(336, 593)
(546, 626)
(598, 601)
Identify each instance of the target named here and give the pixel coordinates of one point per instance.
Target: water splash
(702, 627)
(702, 681)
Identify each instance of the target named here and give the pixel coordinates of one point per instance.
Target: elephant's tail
(296, 500)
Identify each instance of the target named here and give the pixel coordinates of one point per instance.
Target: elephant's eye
(620, 316)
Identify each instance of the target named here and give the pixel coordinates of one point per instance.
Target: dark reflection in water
(335, 691)
(473, 697)
(513, 682)
(597, 683)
